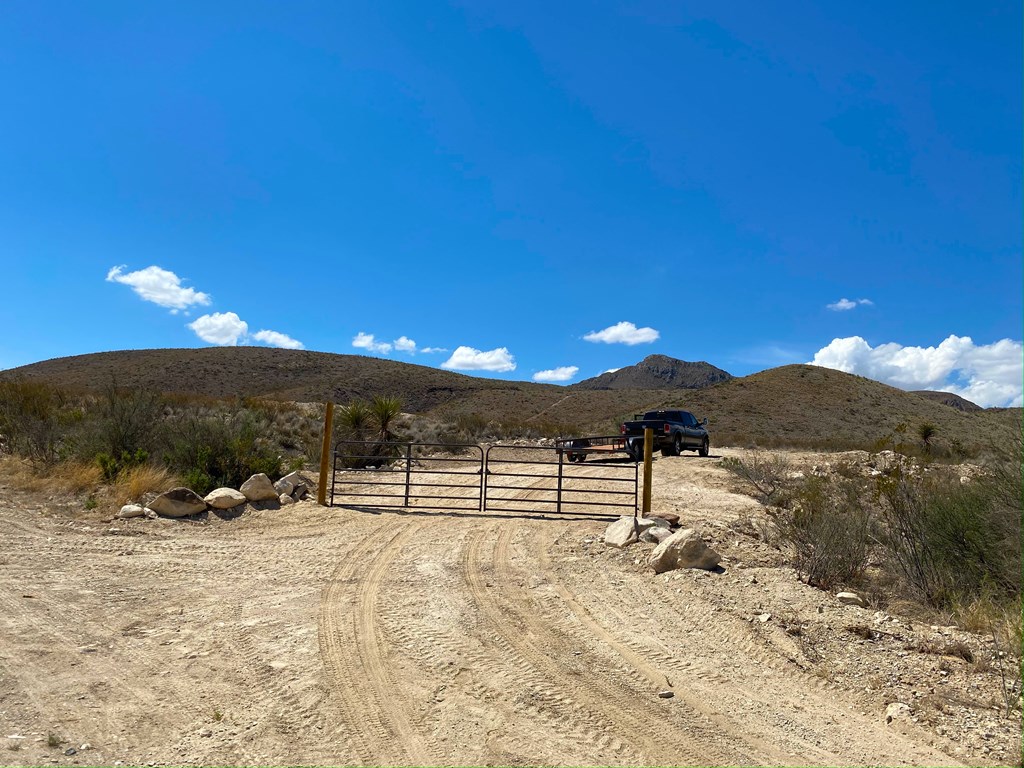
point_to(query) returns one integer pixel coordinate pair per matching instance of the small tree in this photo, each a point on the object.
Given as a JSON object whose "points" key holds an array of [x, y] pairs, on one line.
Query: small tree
{"points": [[926, 431], [384, 411], [354, 419]]}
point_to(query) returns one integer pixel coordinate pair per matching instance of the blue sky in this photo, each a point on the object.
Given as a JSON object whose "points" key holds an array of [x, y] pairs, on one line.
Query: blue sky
{"points": [[560, 187]]}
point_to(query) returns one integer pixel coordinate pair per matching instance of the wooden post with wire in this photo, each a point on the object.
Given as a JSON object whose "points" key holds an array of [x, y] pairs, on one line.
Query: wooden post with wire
{"points": [[325, 455], [648, 459]]}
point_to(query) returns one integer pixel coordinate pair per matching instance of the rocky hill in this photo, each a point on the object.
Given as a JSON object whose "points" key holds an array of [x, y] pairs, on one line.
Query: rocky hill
{"points": [[798, 405], [658, 372], [948, 398]]}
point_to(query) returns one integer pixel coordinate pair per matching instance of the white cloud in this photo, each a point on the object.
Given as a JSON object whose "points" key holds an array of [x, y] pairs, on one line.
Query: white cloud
{"points": [[611, 370], [367, 342], [223, 329], [623, 333], [845, 304], [160, 287], [275, 339], [429, 350], [989, 375], [405, 344], [562, 373], [469, 359]]}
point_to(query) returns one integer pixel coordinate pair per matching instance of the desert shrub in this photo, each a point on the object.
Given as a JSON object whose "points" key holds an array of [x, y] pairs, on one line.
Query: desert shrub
{"points": [[763, 473], [34, 419], [953, 543], [827, 526], [211, 452]]}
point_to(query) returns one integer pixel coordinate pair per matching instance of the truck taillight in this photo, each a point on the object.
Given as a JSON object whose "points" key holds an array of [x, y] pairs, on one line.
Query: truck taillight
{"points": [[668, 429], [622, 429]]}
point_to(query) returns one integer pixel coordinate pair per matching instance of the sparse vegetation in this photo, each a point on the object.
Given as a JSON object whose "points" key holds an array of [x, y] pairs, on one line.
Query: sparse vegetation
{"points": [[765, 473], [827, 526]]}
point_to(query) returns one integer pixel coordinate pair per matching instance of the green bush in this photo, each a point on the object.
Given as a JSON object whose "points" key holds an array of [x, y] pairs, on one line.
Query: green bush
{"points": [[114, 466], [766, 474], [951, 542], [34, 420], [209, 452], [827, 525]]}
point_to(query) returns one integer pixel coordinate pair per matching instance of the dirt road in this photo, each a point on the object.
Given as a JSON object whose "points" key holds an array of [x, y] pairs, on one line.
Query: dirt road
{"points": [[329, 636]]}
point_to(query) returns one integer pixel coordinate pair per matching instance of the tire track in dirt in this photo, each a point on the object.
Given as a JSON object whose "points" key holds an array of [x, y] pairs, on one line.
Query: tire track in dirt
{"points": [[776, 722], [517, 621], [471, 669], [351, 651], [546, 698]]}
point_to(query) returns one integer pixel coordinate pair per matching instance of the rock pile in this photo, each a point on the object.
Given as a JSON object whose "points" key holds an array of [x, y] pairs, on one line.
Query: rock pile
{"points": [[182, 502], [682, 549]]}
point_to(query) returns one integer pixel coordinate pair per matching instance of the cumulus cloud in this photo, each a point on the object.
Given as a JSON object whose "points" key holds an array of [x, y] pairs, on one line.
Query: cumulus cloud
{"points": [[623, 333], [370, 344], [159, 286], [275, 339], [405, 344], [845, 304], [988, 374], [469, 359], [224, 329], [562, 373]]}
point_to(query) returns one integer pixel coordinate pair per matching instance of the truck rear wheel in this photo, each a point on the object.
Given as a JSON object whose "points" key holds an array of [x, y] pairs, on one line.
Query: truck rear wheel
{"points": [[677, 446], [705, 447]]}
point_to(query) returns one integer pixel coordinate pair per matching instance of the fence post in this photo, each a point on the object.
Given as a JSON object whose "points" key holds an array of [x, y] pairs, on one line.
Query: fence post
{"points": [[558, 503], [325, 451], [648, 446], [408, 470]]}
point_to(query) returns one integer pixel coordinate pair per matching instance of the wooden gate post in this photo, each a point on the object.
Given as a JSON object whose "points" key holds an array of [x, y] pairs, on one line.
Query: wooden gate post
{"points": [[325, 455], [648, 459]]}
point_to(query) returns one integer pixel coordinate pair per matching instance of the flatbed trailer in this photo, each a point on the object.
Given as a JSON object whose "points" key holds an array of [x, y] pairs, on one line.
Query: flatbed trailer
{"points": [[576, 449]]}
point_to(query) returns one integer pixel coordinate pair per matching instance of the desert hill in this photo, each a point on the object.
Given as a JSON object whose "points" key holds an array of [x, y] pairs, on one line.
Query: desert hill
{"points": [[798, 405], [658, 372], [948, 398]]}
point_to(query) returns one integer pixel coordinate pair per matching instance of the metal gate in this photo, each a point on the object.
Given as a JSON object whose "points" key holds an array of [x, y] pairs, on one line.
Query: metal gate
{"points": [[503, 479], [539, 480], [405, 475]]}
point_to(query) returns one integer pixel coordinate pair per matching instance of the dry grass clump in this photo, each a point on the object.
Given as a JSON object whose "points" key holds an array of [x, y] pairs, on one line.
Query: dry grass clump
{"points": [[76, 476], [135, 482]]}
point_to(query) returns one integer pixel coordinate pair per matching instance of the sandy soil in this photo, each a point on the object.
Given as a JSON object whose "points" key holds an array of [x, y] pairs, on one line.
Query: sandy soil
{"points": [[333, 636]]}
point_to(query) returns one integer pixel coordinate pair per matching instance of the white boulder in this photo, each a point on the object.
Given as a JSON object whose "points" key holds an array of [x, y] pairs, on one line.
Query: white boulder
{"points": [[178, 502], [622, 532], [258, 488], [224, 498], [131, 510], [285, 499], [683, 549], [851, 598], [655, 534]]}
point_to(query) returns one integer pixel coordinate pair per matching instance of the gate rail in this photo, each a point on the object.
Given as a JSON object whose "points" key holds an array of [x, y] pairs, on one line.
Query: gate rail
{"points": [[504, 478], [567, 483], [384, 472]]}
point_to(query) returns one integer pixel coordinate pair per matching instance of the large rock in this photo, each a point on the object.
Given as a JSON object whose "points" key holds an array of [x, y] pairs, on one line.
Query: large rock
{"points": [[294, 484], [622, 532], [259, 488], [683, 549], [656, 534], [131, 510], [178, 502], [225, 498]]}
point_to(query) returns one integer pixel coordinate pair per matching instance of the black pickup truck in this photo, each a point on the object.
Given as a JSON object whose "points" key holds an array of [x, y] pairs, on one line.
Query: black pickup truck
{"points": [[674, 432]]}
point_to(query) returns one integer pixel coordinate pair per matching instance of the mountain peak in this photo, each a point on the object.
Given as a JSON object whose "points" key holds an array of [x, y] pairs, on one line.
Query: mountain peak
{"points": [[658, 372]]}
